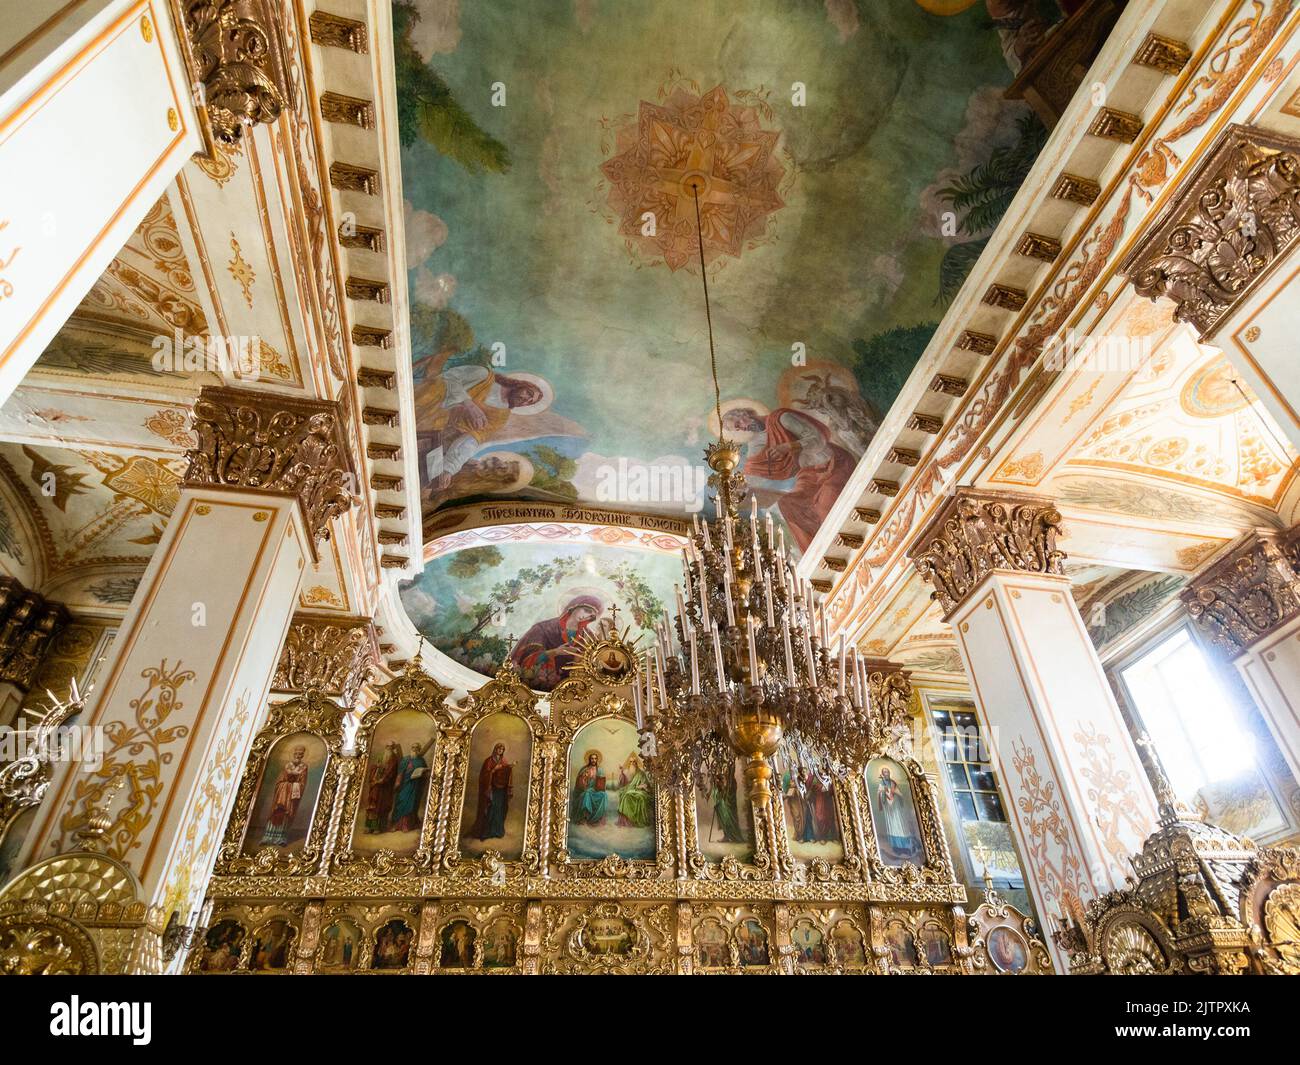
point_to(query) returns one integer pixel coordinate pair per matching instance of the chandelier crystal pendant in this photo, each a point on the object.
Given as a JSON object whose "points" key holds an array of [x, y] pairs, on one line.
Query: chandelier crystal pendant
{"points": [[746, 668]]}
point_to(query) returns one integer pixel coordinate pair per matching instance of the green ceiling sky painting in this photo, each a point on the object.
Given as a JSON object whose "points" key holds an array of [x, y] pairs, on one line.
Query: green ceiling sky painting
{"points": [[552, 338]]}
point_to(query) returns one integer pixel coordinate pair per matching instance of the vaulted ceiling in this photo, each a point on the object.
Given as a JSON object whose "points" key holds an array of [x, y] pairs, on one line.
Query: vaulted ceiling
{"points": [[851, 159]]}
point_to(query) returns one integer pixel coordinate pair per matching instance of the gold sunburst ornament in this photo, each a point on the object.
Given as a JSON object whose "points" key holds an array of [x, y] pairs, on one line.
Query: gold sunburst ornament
{"points": [[609, 658]]}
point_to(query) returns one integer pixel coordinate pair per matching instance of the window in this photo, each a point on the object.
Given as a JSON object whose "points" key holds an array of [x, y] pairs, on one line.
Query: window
{"points": [[1208, 755], [973, 788]]}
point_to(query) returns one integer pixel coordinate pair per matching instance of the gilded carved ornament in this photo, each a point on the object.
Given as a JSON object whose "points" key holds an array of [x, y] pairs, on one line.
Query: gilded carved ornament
{"points": [[29, 624], [312, 713], [1237, 215], [236, 54], [335, 656], [976, 534], [25, 780], [1004, 941], [274, 443], [1248, 592], [556, 913], [72, 914], [1198, 903]]}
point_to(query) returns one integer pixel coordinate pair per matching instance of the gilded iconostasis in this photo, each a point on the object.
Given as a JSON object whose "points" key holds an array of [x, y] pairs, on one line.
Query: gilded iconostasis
{"points": [[506, 836]]}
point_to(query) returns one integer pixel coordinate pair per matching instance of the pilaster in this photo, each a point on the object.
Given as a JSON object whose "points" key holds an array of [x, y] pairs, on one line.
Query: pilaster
{"points": [[1080, 804]]}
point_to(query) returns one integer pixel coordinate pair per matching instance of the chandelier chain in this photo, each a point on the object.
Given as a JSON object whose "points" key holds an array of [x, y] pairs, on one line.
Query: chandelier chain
{"points": [[708, 314]]}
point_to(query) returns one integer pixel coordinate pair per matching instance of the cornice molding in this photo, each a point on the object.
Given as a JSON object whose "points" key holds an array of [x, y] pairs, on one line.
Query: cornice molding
{"points": [[1064, 293]]}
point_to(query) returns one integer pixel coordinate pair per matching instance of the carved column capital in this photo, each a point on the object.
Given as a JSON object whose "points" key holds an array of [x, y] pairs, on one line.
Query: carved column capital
{"points": [[28, 625], [1235, 216], [235, 51], [976, 533], [331, 655], [266, 442], [1248, 592]]}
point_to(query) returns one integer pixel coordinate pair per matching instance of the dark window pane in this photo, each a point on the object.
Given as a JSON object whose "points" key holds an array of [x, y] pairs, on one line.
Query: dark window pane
{"points": [[970, 745], [991, 808], [957, 774], [966, 720], [941, 718], [982, 779], [966, 806], [949, 748]]}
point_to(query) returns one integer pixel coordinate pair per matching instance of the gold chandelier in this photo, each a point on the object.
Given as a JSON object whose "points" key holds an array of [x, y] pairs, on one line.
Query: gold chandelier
{"points": [[746, 668]]}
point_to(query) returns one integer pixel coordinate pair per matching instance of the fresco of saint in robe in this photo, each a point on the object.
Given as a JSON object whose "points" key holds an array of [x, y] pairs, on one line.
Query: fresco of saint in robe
{"points": [[791, 461], [545, 651], [810, 817], [893, 813], [496, 789], [395, 788], [286, 796], [724, 818]]}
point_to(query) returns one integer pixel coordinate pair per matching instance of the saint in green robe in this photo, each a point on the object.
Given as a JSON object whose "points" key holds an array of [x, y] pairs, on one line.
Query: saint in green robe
{"points": [[635, 804], [724, 810]]}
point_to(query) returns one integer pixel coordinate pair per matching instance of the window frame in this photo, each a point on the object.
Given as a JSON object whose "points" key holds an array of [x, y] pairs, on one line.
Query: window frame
{"points": [[948, 701], [1239, 699]]}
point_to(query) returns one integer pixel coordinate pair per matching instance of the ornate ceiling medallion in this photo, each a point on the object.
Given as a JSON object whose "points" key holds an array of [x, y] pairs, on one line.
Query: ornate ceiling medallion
{"points": [[688, 140]]}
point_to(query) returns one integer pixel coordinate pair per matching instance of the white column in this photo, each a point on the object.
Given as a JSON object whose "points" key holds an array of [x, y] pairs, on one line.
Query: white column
{"points": [[96, 118], [196, 654], [1080, 803]]}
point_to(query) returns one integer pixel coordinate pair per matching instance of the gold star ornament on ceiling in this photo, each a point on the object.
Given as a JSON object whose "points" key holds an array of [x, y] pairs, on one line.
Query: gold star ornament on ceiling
{"points": [[707, 141]]}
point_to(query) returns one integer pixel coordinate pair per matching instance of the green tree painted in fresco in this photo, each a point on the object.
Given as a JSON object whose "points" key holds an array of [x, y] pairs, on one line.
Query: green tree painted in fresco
{"points": [[500, 602], [641, 599], [439, 330], [882, 363], [473, 560], [981, 196], [553, 472], [425, 105]]}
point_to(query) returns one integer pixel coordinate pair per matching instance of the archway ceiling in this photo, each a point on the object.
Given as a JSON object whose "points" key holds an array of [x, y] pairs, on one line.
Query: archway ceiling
{"points": [[557, 349]]}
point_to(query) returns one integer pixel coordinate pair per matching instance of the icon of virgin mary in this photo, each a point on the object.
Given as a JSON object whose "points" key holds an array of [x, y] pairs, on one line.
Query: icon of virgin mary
{"points": [[546, 650]]}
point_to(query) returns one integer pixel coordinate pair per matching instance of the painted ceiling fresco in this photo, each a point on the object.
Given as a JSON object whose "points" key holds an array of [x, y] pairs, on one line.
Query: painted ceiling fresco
{"points": [[850, 160], [535, 602], [551, 156]]}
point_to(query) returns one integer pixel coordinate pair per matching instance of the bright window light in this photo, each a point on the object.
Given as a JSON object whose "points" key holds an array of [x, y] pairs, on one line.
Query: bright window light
{"points": [[1188, 715]]}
